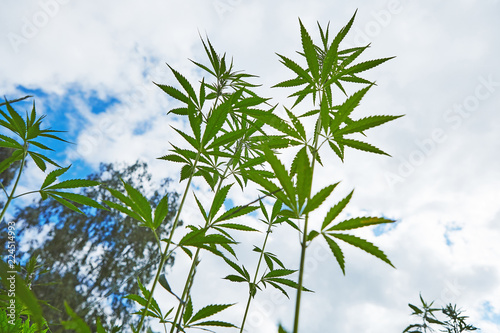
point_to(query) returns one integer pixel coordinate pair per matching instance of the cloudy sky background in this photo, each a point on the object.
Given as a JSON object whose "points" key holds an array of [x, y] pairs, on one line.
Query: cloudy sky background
{"points": [[91, 67]]}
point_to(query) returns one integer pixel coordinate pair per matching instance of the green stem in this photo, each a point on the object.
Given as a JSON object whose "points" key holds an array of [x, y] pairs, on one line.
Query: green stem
{"points": [[166, 254], [304, 236], [157, 240], [190, 278], [22, 194], [250, 296], [188, 284], [185, 293], [195, 262], [11, 196], [4, 190], [301, 276]]}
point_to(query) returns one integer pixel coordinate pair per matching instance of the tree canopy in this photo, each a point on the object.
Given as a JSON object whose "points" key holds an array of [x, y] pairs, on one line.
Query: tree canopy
{"points": [[91, 261]]}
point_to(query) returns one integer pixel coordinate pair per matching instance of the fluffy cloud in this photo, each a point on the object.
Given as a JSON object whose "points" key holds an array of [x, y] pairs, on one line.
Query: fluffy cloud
{"points": [[441, 184]]}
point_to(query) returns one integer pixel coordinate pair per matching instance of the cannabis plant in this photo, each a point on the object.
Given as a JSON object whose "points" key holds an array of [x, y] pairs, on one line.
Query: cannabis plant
{"points": [[233, 138], [454, 322]]}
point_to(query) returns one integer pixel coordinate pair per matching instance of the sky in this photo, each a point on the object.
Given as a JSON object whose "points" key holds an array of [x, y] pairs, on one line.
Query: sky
{"points": [[90, 67]]}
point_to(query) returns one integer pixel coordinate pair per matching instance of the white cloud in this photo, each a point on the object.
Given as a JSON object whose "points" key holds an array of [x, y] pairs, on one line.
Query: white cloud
{"points": [[445, 51]]}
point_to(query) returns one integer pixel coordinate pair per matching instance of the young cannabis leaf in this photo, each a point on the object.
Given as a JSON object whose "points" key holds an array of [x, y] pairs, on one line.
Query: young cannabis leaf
{"points": [[137, 206], [24, 319], [29, 133], [53, 191], [149, 304], [331, 233], [329, 66], [224, 139], [198, 320]]}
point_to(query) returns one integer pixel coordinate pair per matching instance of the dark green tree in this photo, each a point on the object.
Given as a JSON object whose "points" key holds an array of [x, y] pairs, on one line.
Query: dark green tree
{"points": [[91, 261]]}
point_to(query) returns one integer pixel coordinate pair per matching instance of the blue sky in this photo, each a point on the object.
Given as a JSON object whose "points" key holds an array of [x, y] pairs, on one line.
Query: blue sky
{"points": [[91, 66]]}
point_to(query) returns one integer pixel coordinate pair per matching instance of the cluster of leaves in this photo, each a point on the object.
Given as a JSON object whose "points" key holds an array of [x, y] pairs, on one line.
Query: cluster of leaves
{"points": [[27, 142], [454, 322], [29, 133]]}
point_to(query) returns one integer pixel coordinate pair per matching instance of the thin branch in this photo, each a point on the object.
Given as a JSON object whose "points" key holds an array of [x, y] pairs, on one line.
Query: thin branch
{"points": [[15, 100]]}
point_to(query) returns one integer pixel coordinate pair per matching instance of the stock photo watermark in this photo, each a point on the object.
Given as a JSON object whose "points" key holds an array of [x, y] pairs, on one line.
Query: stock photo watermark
{"points": [[11, 274], [33, 24], [380, 19], [454, 118], [451, 291], [224, 7]]}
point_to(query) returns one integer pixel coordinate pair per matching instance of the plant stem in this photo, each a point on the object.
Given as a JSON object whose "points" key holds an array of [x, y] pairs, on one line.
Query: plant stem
{"points": [[4, 190], [190, 278], [250, 296], [185, 292], [11, 196], [26, 193], [304, 235], [165, 254], [194, 264], [301, 276]]}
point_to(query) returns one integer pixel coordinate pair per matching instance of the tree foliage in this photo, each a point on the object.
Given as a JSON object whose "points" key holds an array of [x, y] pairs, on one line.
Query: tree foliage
{"points": [[92, 260]]}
